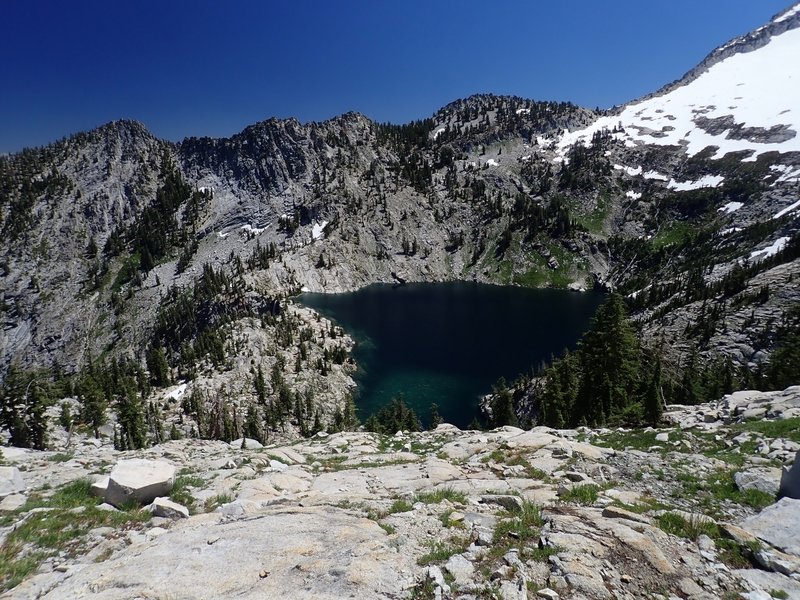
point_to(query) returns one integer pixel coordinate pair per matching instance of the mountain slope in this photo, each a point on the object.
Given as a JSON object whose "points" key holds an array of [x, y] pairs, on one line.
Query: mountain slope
{"points": [[745, 102], [119, 246]]}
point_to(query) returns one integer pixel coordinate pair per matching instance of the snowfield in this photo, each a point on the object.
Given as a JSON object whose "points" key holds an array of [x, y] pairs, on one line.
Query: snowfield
{"points": [[731, 207], [759, 89]]}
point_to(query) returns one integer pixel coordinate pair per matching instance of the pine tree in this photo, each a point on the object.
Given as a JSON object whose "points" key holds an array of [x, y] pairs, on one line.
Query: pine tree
{"points": [[93, 400], [503, 409], [690, 391], [435, 418], [159, 367], [610, 363], [653, 407], [24, 397], [130, 415], [350, 414], [261, 387]]}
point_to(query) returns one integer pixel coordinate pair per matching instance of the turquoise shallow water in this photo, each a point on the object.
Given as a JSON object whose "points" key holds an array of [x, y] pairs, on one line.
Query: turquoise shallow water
{"points": [[449, 342]]}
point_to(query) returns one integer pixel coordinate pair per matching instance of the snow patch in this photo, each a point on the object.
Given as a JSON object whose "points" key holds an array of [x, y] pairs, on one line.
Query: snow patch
{"points": [[704, 182], [772, 250], [788, 14], [178, 392], [438, 132], [247, 228], [729, 230], [492, 163], [787, 173], [654, 175], [635, 294], [787, 210], [634, 195], [632, 171], [523, 111], [318, 230], [730, 207]]}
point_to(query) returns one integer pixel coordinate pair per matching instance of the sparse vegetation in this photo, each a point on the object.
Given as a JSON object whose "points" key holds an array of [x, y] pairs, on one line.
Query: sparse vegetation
{"points": [[59, 529], [581, 494]]}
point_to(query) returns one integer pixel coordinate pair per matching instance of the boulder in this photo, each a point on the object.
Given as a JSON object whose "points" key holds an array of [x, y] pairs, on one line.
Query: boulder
{"points": [[765, 480], [460, 568], [763, 582], [99, 487], [164, 507], [514, 590], [790, 480], [509, 502], [11, 481], [778, 525], [246, 444], [139, 480], [615, 512], [12, 502]]}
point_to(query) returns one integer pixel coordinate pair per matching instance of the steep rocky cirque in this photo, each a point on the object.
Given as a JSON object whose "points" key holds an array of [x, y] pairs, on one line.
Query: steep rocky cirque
{"points": [[497, 189]]}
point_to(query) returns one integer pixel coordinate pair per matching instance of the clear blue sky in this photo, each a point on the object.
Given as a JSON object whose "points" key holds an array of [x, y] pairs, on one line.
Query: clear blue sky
{"points": [[212, 67]]}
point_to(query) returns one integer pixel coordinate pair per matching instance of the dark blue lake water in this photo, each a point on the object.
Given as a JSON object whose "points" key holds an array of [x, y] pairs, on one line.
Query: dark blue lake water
{"points": [[449, 342]]}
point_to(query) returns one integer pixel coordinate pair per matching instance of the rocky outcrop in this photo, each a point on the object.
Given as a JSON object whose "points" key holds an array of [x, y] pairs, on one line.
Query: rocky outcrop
{"points": [[587, 513], [289, 552]]}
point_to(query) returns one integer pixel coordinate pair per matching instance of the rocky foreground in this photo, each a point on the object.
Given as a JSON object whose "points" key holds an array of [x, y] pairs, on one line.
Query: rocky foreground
{"points": [[685, 511]]}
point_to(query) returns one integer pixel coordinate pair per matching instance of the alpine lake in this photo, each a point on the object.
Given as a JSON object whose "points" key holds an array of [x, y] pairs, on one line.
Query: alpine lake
{"points": [[448, 343]]}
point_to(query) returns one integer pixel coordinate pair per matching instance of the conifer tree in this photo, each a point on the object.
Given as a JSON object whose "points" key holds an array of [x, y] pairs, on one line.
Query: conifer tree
{"points": [[653, 407], [24, 397], [610, 362], [435, 418], [261, 387]]}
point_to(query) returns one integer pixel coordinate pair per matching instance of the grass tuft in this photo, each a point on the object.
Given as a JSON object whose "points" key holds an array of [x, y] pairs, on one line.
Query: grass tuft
{"points": [[581, 494]]}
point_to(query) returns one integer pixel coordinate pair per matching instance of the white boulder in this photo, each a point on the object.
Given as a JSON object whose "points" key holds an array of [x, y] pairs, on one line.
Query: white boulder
{"points": [[12, 502], [139, 480], [246, 444], [164, 507], [99, 487]]}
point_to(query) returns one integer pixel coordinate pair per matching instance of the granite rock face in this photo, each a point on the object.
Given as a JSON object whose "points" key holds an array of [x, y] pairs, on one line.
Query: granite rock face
{"points": [[443, 513]]}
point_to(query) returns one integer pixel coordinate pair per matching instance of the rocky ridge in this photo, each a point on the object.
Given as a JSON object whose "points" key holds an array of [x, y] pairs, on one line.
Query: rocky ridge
{"points": [[686, 511]]}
